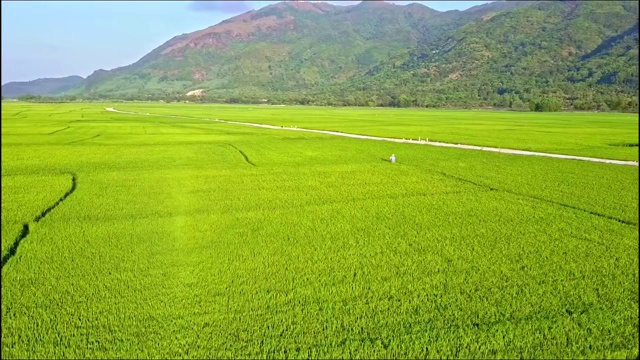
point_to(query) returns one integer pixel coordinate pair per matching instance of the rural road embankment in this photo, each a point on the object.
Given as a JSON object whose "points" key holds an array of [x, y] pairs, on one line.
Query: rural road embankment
{"points": [[405, 141]]}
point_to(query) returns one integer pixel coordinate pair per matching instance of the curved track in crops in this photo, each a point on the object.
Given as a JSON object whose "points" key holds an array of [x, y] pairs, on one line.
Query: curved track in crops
{"points": [[420, 142], [25, 227], [246, 158]]}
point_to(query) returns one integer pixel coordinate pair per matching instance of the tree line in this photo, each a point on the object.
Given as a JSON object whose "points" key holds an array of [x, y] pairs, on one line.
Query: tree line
{"points": [[505, 101]]}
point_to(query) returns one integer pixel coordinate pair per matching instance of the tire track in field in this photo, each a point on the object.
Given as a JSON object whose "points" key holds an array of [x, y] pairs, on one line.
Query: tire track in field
{"points": [[420, 142], [25, 227], [246, 158], [76, 141], [59, 113], [53, 132], [533, 197]]}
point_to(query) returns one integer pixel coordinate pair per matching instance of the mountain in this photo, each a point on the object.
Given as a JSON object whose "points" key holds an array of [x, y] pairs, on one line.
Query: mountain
{"points": [[518, 54], [48, 86], [583, 54], [288, 47]]}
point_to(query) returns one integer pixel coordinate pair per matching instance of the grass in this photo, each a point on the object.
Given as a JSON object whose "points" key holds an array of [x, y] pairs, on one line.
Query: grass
{"points": [[604, 135], [194, 239], [20, 207]]}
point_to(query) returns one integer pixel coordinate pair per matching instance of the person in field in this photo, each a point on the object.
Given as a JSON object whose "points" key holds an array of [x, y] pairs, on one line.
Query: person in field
{"points": [[393, 158]]}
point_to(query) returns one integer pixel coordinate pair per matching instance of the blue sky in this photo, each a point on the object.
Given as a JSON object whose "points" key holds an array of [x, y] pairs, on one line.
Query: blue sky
{"points": [[62, 38]]}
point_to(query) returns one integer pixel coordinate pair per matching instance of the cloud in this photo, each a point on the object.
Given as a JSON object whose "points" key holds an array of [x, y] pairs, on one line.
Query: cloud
{"points": [[223, 7]]}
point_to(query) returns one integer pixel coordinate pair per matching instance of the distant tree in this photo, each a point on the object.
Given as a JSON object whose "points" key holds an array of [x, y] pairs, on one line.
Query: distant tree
{"points": [[29, 97], [193, 98], [547, 105], [617, 103], [503, 101], [517, 104], [584, 105], [603, 106], [405, 101], [633, 105]]}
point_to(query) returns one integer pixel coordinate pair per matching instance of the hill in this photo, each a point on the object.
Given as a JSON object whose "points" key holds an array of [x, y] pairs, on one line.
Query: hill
{"points": [[283, 49], [513, 54], [47, 86], [580, 54]]}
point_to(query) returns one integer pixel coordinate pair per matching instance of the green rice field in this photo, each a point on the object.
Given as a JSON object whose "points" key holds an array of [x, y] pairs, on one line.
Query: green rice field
{"points": [[132, 236]]}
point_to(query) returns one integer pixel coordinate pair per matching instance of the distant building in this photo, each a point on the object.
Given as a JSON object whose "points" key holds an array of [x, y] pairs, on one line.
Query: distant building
{"points": [[198, 93]]}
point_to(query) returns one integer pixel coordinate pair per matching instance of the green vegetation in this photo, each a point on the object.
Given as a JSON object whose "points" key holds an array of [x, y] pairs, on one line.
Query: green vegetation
{"points": [[20, 207], [582, 55], [542, 56], [40, 87], [196, 239], [554, 55], [604, 135], [546, 105]]}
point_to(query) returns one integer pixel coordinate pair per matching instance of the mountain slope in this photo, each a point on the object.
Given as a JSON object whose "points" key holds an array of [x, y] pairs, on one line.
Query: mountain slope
{"points": [[573, 54], [572, 51], [289, 47], [48, 86]]}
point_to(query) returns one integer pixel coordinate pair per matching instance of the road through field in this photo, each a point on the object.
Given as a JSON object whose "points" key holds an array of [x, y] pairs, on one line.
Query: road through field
{"points": [[407, 141]]}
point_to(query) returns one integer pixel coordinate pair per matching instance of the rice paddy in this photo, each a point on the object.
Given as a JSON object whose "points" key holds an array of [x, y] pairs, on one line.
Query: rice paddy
{"points": [[163, 237]]}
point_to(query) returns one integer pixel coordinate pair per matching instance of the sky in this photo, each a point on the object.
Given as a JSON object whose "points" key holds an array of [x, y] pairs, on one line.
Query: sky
{"points": [[49, 39]]}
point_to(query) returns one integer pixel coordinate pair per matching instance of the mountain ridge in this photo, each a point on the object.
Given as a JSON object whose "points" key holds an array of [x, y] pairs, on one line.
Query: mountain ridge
{"points": [[42, 86], [503, 53], [288, 27]]}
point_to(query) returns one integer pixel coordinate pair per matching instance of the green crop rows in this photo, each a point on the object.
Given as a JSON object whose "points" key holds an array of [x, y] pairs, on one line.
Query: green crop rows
{"points": [[168, 238], [604, 135]]}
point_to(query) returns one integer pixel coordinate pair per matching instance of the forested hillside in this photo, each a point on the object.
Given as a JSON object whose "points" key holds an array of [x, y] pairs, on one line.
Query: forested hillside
{"points": [[575, 54], [542, 56]]}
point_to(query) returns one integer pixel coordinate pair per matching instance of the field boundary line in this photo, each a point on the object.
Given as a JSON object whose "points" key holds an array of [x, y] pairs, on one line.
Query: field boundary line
{"points": [[405, 141], [25, 227]]}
